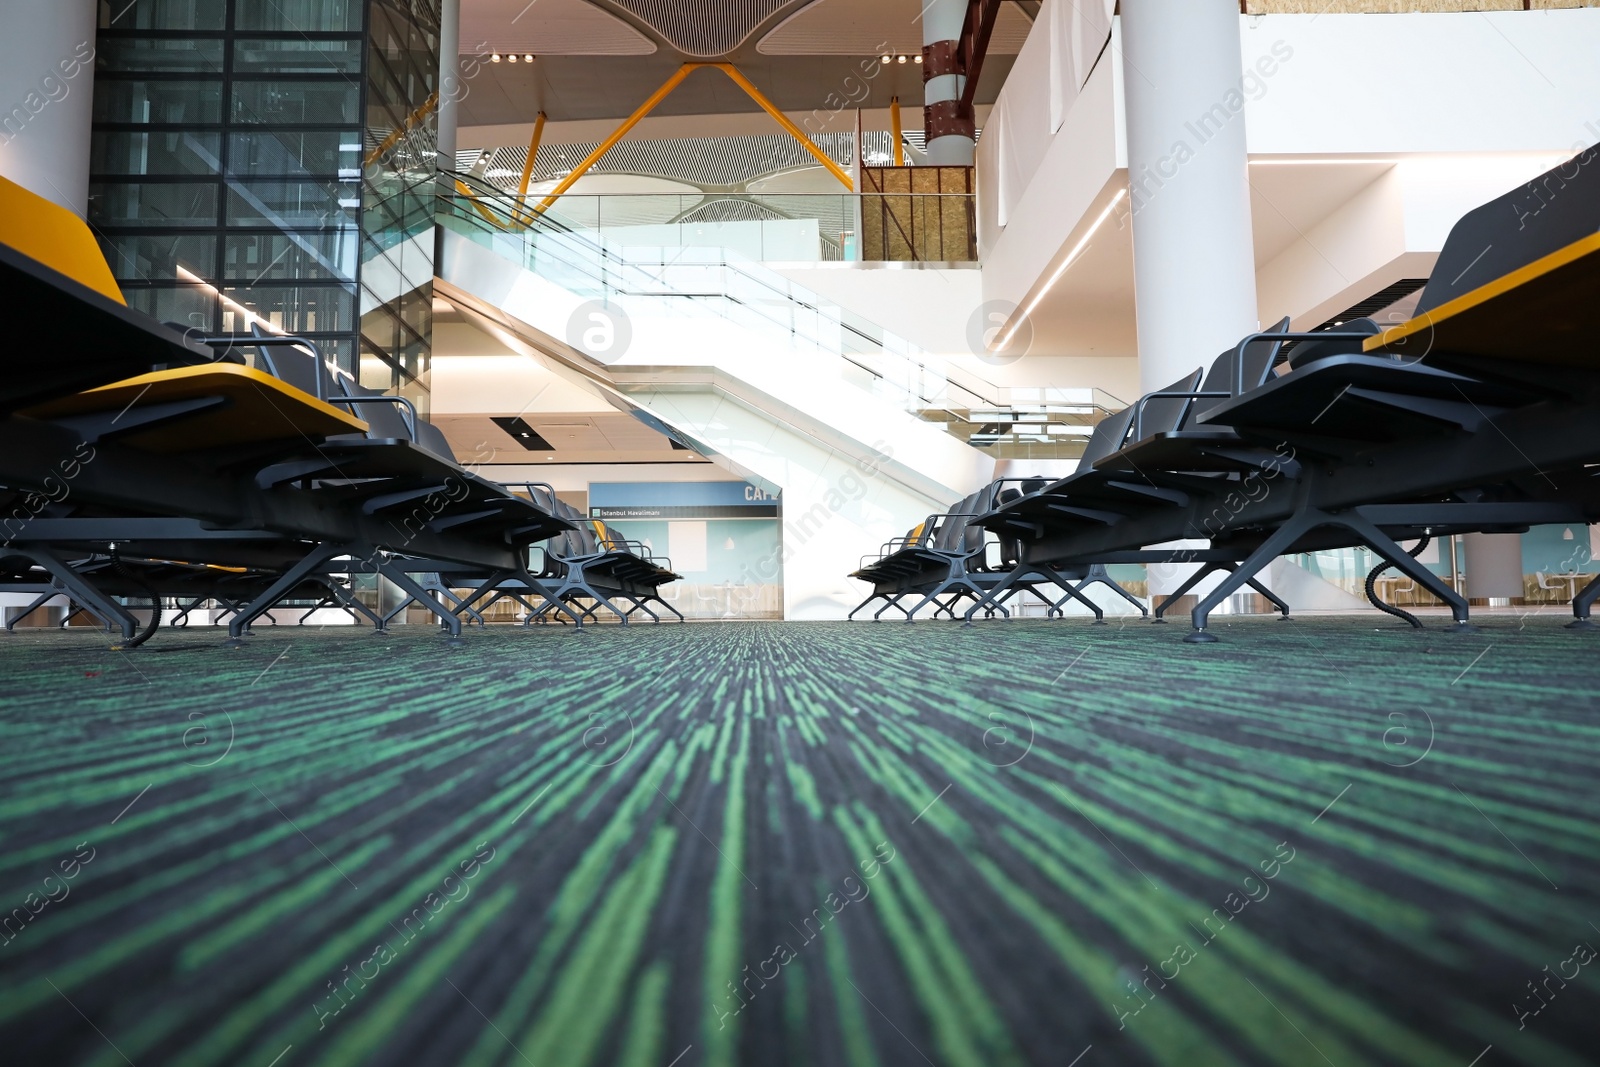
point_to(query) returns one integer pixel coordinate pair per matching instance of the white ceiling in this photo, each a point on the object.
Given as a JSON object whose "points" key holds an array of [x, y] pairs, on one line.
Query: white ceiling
{"points": [[1287, 200], [868, 27], [1090, 310], [548, 27]]}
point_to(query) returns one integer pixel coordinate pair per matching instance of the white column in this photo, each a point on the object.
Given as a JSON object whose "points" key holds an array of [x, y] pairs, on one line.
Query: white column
{"points": [[1494, 566], [1189, 190], [950, 138], [1188, 195], [450, 87], [47, 99]]}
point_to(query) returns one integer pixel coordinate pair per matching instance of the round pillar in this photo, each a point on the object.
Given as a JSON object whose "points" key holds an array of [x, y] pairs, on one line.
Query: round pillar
{"points": [[1189, 190], [1494, 566], [951, 135], [47, 100], [450, 86]]}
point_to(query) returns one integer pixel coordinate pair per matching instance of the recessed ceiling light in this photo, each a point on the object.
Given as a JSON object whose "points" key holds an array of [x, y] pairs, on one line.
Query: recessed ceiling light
{"points": [[916, 59], [528, 58], [888, 57], [902, 59], [495, 58], [512, 57]]}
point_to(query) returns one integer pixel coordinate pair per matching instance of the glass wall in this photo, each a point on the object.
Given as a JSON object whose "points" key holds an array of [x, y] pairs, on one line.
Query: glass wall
{"points": [[249, 165], [398, 196]]}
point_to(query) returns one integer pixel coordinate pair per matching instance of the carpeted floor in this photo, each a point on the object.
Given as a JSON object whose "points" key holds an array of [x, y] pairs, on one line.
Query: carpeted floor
{"points": [[1325, 841]]}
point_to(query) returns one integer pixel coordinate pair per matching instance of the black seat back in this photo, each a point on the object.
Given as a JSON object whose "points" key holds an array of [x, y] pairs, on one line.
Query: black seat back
{"points": [[973, 537], [1109, 435], [1010, 544], [1542, 216], [953, 527], [1307, 352], [1166, 413], [1260, 356]]}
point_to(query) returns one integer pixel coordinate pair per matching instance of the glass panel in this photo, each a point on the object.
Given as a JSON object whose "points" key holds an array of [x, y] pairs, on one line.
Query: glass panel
{"points": [[160, 258], [299, 309], [297, 57], [174, 103], [163, 14], [280, 257], [323, 154], [292, 205], [176, 152], [190, 305], [299, 16], [276, 103], [183, 55], [168, 204]]}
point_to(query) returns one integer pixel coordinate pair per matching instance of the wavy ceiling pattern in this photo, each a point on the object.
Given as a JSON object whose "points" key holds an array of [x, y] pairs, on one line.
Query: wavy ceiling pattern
{"points": [[548, 27], [704, 29], [867, 27]]}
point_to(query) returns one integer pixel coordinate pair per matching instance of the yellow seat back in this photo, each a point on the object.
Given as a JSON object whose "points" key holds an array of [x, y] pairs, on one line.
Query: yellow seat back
{"points": [[52, 235]]}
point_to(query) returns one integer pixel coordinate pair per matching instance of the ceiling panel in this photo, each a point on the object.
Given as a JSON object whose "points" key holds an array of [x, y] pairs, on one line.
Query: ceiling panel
{"points": [[868, 27], [1288, 200], [704, 29], [548, 27]]}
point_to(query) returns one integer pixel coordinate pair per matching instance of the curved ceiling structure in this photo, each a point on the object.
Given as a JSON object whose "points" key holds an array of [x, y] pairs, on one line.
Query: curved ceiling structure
{"points": [[548, 27], [868, 27], [703, 29]]}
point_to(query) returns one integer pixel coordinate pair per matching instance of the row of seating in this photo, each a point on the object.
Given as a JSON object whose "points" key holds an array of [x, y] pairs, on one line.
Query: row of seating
{"points": [[127, 440], [1476, 415], [944, 561]]}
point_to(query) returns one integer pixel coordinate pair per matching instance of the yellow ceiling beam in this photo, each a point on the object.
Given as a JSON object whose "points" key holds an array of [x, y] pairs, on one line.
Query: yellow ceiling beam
{"points": [[677, 79]]}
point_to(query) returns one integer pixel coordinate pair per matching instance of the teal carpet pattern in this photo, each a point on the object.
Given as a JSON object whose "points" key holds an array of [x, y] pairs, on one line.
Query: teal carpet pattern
{"points": [[1328, 841]]}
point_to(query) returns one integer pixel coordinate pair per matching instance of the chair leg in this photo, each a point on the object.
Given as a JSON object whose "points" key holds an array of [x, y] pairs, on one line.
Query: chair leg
{"points": [[40, 601], [995, 596], [851, 617], [1098, 575], [668, 605], [1272, 598], [892, 602], [416, 592], [1385, 546], [278, 590], [1270, 549], [1193, 580], [1074, 593], [1582, 604], [84, 592]]}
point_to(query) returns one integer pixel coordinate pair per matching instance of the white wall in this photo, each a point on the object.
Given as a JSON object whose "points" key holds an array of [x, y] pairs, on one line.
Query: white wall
{"points": [[1467, 105]]}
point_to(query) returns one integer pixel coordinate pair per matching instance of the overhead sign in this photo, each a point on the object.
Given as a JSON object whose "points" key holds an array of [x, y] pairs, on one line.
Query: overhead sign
{"points": [[681, 500]]}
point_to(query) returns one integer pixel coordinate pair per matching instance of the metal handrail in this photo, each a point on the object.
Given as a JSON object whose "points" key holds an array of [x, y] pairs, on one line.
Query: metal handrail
{"points": [[1139, 406], [406, 405], [544, 221], [1311, 335], [267, 340]]}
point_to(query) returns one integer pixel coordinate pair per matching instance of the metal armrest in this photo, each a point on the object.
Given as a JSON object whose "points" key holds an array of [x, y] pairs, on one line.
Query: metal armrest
{"points": [[266, 341], [1312, 335], [1138, 408], [406, 406]]}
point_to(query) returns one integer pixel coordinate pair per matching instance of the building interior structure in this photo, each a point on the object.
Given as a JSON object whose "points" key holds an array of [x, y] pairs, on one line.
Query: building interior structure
{"points": [[799, 532]]}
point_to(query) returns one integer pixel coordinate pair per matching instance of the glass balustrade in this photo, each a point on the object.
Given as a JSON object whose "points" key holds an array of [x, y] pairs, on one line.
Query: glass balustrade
{"points": [[662, 258]]}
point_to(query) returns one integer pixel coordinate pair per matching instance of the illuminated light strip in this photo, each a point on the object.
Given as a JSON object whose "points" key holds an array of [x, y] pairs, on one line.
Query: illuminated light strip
{"points": [[1317, 162], [1072, 257], [251, 317], [232, 304]]}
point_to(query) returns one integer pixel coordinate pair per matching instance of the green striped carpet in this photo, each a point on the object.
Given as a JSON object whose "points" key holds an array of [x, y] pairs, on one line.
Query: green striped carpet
{"points": [[1329, 841]]}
